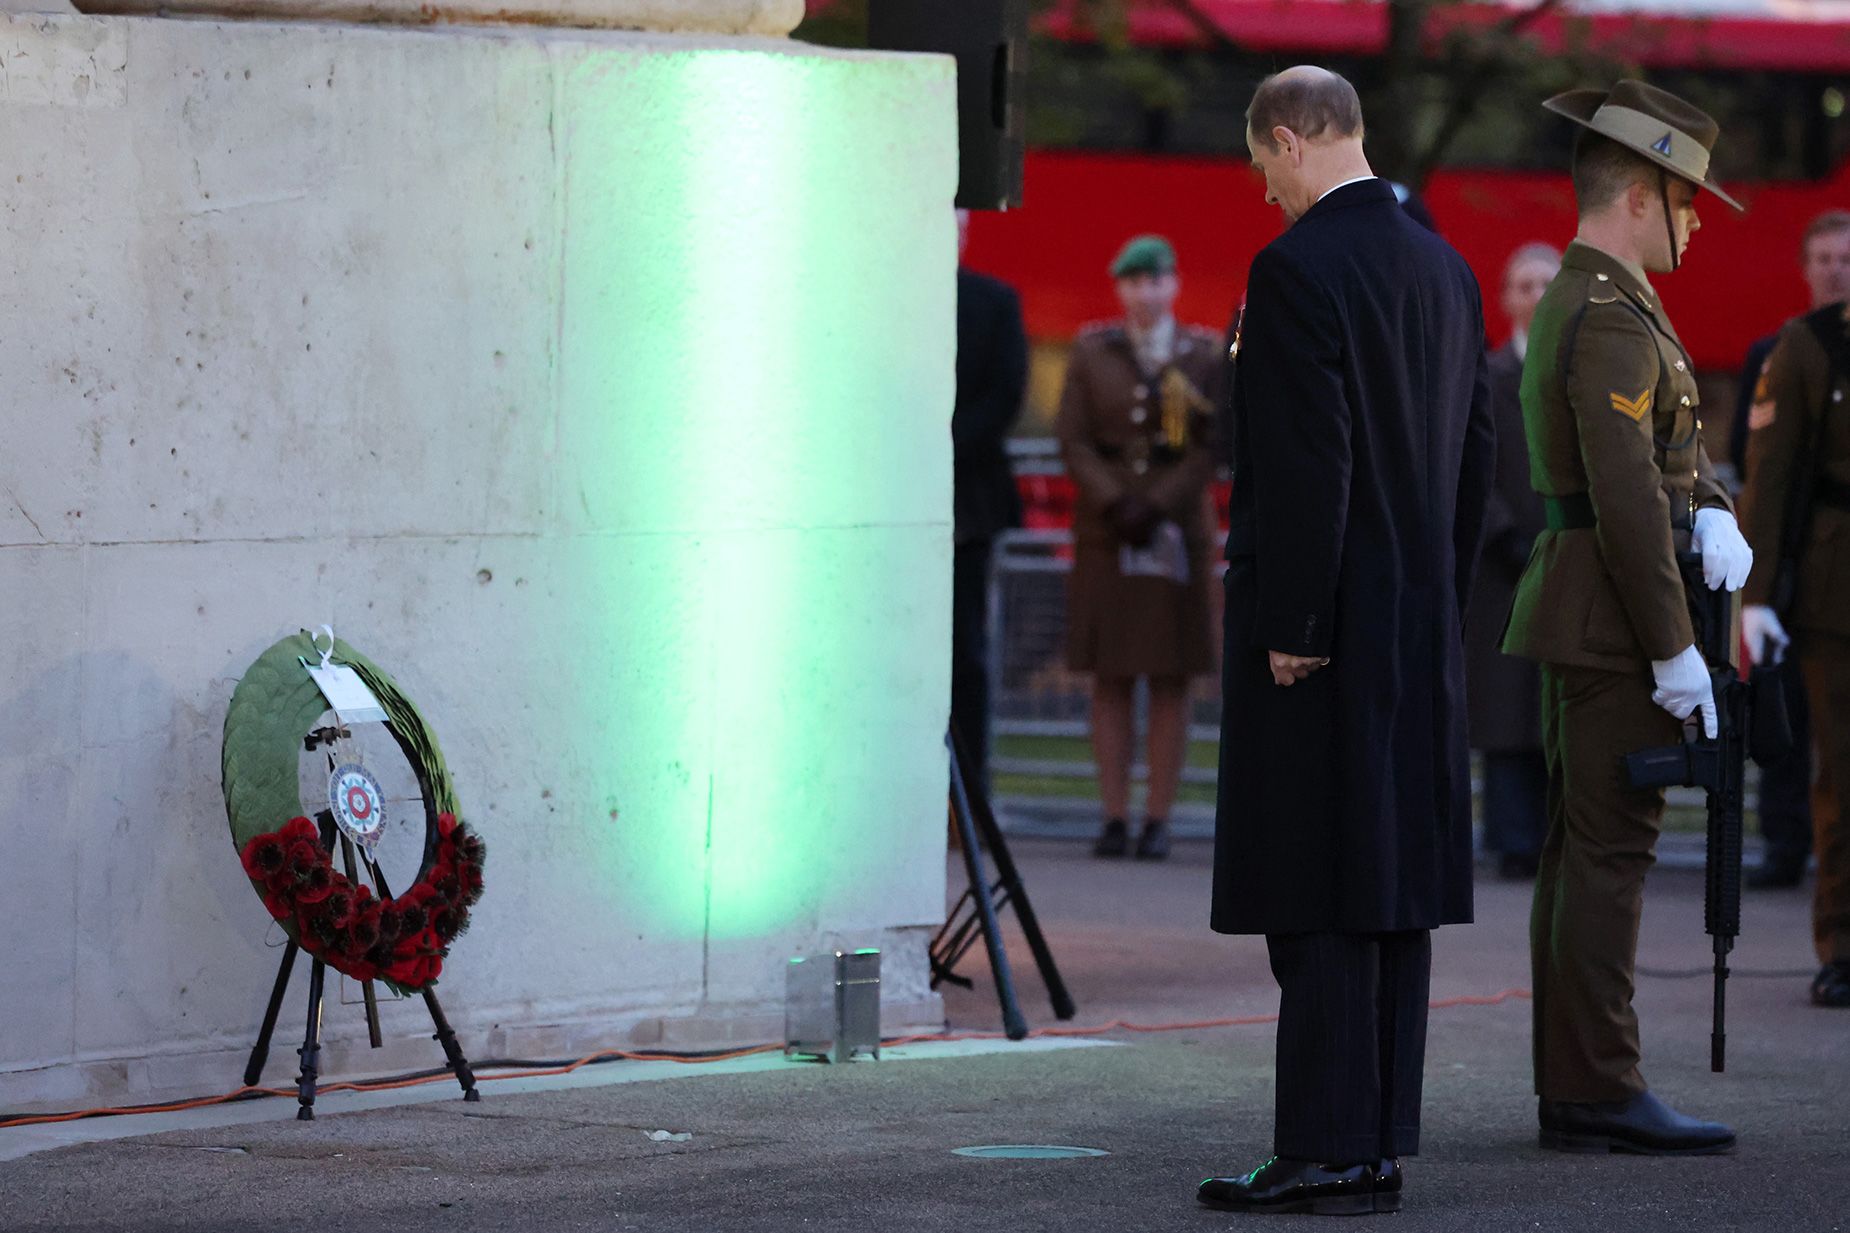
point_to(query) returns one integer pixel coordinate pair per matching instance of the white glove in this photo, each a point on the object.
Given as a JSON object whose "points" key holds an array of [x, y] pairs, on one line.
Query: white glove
{"points": [[1767, 639], [1683, 687], [1725, 554]]}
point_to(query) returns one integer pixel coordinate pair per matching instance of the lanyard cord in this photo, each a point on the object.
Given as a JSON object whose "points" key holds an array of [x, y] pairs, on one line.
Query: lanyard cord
{"points": [[1670, 230]]}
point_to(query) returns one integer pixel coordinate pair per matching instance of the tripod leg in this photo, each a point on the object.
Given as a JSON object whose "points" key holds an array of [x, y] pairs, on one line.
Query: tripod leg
{"points": [[1012, 1021], [366, 986], [451, 1049], [260, 1052], [311, 1045], [1016, 893]]}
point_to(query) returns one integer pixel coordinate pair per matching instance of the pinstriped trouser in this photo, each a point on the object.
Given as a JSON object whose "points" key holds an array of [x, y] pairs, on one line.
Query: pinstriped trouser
{"points": [[1351, 1043]]}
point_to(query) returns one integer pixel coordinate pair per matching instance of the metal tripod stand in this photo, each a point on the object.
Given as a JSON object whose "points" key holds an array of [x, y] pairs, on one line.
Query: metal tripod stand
{"points": [[308, 1079], [976, 912]]}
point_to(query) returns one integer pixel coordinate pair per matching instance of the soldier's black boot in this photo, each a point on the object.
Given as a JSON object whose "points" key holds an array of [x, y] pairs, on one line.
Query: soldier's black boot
{"points": [[1643, 1125], [1280, 1185], [1832, 986], [1113, 840], [1153, 843]]}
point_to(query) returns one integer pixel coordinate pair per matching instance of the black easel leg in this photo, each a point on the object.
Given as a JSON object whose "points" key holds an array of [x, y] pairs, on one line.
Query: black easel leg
{"points": [[1016, 891], [451, 1049], [260, 1052], [311, 1045], [373, 1037], [1012, 1021]]}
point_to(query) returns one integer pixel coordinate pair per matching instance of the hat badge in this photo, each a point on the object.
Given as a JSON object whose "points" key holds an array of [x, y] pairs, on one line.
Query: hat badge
{"points": [[1662, 145]]}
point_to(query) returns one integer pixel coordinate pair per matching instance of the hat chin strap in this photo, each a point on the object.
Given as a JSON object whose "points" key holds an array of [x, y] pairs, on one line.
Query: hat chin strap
{"points": [[1670, 228]]}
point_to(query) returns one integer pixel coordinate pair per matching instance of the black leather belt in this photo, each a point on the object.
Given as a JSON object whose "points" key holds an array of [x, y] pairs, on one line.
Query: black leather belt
{"points": [[1832, 493], [1573, 512]]}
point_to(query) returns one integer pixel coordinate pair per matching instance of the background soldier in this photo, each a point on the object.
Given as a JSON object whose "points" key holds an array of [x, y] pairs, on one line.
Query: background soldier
{"points": [[1135, 430], [1610, 408], [1505, 693], [1784, 804], [1797, 511]]}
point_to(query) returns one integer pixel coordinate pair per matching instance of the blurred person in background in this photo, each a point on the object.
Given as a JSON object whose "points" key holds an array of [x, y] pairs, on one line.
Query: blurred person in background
{"points": [[1505, 693], [1135, 429], [1796, 511], [992, 378], [1784, 803]]}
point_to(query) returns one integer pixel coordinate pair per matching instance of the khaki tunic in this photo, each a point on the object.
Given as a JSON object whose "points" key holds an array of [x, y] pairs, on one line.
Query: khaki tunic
{"points": [[1794, 392], [1123, 430], [1611, 410]]}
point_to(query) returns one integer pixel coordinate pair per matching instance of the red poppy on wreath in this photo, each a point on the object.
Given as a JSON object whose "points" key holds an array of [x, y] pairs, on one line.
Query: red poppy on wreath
{"points": [[404, 940]]}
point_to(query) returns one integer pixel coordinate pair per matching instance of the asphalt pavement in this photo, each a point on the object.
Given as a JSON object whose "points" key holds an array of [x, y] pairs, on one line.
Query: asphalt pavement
{"points": [[871, 1145]]}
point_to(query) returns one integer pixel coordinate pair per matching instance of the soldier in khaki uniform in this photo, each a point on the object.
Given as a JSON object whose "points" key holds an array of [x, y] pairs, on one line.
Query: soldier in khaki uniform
{"points": [[1799, 453], [1134, 428], [1610, 411]]}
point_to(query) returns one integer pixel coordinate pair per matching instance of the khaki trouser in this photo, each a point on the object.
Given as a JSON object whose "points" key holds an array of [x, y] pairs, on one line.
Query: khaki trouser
{"points": [[1589, 893], [1825, 662]]}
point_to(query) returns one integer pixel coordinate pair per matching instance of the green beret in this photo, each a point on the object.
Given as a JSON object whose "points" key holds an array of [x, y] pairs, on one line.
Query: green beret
{"points": [[1144, 254]]}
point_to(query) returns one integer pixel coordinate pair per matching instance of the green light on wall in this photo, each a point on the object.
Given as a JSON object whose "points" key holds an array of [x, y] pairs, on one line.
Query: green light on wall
{"points": [[744, 309]]}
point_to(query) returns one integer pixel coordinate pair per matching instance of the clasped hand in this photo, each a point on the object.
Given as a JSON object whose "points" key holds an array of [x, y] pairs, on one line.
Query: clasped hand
{"points": [[1290, 669]]}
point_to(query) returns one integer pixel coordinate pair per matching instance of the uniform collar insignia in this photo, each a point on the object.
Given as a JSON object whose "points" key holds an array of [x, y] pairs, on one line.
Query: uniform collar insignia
{"points": [[1620, 274]]}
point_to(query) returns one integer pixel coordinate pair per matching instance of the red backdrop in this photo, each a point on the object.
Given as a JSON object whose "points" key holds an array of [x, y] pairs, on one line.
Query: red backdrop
{"points": [[1740, 281]]}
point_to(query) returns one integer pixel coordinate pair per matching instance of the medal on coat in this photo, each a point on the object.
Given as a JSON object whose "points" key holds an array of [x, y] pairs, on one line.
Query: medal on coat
{"points": [[1180, 400]]}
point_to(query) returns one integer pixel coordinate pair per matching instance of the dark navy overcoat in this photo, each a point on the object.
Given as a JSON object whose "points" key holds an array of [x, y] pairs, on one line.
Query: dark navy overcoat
{"points": [[1363, 454]]}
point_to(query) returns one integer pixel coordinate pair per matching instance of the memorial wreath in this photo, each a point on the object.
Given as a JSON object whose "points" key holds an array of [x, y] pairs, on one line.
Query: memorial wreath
{"points": [[401, 940]]}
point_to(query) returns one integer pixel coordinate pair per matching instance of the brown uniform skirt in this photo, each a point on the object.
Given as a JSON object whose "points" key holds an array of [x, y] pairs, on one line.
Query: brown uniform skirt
{"points": [[1138, 626]]}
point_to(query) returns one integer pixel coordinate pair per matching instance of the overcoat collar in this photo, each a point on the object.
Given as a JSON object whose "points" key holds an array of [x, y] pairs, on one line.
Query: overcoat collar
{"points": [[1375, 191], [1605, 267]]}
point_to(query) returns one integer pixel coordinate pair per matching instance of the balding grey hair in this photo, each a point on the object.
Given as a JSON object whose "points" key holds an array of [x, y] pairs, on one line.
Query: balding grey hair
{"points": [[1311, 105], [1539, 253]]}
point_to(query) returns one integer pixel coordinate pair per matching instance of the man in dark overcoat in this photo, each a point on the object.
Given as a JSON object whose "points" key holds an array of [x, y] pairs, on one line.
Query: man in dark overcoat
{"points": [[1362, 471], [992, 378]]}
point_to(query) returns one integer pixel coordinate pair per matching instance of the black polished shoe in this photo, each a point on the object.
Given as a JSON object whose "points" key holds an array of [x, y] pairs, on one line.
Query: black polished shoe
{"points": [[1387, 1185], [1153, 843], [1644, 1125], [1776, 871], [1832, 986], [1114, 840], [1281, 1185]]}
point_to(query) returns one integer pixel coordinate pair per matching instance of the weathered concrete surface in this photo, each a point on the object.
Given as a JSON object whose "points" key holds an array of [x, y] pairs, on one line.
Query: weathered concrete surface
{"points": [[763, 17], [868, 1146], [552, 369]]}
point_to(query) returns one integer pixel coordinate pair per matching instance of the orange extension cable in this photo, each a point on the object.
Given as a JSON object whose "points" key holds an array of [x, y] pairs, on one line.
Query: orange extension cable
{"points": [[444, 1076]]}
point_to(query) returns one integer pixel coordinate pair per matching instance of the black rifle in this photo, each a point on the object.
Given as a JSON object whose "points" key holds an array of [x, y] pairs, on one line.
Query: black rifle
{"points": [[1719, 767]]}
